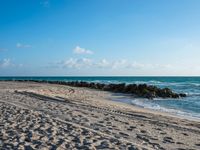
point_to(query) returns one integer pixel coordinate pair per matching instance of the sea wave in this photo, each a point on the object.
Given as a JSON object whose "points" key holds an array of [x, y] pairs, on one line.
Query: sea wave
{"points": [[193, 94], [144, 103]]}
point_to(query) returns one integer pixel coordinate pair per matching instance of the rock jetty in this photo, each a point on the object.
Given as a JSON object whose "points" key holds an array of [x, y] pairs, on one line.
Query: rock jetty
{"points": [[139, 90]]}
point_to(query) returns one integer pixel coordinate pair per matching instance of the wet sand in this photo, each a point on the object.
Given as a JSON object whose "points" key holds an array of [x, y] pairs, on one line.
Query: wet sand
{"points": [[50, 116]]}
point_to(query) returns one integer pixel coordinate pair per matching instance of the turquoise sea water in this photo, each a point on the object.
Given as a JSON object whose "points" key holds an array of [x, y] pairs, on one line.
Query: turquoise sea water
{"points": [[189, 106]]}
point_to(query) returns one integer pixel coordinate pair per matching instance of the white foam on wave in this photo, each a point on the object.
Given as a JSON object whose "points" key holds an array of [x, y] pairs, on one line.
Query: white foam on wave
{"points": [[195, 84], [144, 103], [193, 93], [160, 83]]}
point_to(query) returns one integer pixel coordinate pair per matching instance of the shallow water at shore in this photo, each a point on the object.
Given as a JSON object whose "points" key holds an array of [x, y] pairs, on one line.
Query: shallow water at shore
{"points": [[159, 105]]}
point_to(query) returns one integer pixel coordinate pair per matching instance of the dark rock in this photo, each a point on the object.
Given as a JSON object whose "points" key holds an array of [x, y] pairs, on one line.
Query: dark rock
{"points": [[134, 88], [106, 87], [119, 87], [182, 95], [141, 90]]}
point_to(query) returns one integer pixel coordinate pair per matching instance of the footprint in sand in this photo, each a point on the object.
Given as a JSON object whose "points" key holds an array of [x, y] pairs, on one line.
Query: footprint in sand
{"points": [[163, 133], [143, 131], [101, 121], [109, 123], [198, 144], [185, 134], [131, 128], [179, 143], [158, 129], [123, 134], [168, 140]]}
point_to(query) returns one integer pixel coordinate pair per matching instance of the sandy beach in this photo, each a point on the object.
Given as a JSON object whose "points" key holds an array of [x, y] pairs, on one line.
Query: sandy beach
{"points": [[50, 116]]}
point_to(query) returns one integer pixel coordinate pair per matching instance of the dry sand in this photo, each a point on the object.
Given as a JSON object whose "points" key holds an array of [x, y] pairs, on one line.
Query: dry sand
{"points": [[49, 116]]}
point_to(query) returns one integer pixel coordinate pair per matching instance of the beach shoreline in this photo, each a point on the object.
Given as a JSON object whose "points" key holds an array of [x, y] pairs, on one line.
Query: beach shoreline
{"points": [[92, 111], [140, 108]]}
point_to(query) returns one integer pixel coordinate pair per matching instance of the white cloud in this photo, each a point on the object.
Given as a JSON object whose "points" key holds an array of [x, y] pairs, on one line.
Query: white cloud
{"points": [[136, 65], [121, 66], [79, 50], [85, 66], [20, 45], [77, 63], [122, 63], [8, 63], [5, 63], [103, 63]]}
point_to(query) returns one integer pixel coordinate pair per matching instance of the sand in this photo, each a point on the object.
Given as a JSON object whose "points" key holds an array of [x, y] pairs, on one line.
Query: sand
{"points": [[50, 116]]}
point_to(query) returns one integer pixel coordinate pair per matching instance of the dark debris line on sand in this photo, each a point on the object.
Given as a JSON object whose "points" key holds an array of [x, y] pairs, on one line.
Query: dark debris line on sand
{"points": [[139, 90]]}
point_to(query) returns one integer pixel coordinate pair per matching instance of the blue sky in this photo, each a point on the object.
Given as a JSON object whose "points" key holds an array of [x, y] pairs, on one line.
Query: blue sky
{"points": [[99, 37]]}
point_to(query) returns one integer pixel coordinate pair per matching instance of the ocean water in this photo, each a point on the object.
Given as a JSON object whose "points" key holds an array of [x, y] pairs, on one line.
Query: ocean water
{"points": [[187, 107]]}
